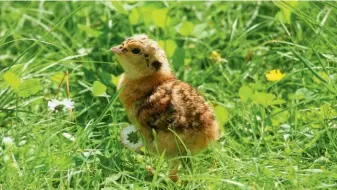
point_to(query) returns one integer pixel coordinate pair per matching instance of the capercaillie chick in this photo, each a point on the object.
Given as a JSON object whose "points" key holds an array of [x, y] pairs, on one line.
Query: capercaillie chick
{"points": [[169, 114]]}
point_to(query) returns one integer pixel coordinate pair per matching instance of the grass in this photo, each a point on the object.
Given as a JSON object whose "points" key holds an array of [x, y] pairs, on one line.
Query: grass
{"points": [[276, 135]]}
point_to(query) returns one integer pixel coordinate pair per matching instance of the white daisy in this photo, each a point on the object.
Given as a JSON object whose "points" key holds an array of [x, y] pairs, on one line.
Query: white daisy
{"points": [[84, 51], [6, 158], [52, 104], [69, 136], [8, 141], [57, 105], [130, 138], [67, 103]]}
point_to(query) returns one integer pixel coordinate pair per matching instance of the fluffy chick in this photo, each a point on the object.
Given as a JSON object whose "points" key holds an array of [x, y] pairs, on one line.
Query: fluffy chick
{"points": [[169, 114]]}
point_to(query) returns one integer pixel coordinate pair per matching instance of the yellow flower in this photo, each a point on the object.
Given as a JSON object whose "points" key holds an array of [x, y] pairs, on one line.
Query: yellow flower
{"points": [[215, 56], [274, 75]]}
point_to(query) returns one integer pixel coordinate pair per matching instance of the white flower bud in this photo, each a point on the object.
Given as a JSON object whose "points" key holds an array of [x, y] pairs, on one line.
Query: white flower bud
{"points": [[8, 141]]}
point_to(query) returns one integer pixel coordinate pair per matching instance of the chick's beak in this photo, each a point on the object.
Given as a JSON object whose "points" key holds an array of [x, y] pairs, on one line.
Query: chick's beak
{"points": [[116, 50]]}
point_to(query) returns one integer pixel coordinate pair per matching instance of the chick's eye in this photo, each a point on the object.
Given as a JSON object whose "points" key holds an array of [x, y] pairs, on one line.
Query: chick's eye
{"points": [[135, 51]]}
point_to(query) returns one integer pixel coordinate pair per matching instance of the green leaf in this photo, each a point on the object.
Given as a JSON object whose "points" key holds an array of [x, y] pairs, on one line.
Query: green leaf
{"points": [[324, 75], [327, 112], [200, 30], [57, 77], [245, 93], [178, 58], [186, 28], [89, 31], [12, 79], [277, 102], [146, 13], [284, 16], [134, 16], [281, 117], [98, 88], [304, 93], [112, 178], [160, 17], [187, 61], [257, 86], [331, 88], [169, 46], [309, 66], [221, 114], [118, 6], [266, 99], [263, 98], [29, 87], [114, 79], [286, 10], [104, 77], [288, 5]]}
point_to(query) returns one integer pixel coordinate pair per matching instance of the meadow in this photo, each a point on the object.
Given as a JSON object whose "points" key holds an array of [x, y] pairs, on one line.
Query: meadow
{"points": [[267, 68]]}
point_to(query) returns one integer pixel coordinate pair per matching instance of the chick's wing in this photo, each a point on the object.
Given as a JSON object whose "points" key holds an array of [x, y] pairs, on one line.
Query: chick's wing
{"points": [[175, 105]]}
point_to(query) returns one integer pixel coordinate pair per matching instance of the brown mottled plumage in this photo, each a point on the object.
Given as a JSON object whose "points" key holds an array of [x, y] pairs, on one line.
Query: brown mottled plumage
{"points": [[156, 101]]}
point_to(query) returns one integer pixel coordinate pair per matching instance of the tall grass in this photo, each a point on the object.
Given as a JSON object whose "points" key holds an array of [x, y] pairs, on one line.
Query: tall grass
{"points": [[287, 142]]}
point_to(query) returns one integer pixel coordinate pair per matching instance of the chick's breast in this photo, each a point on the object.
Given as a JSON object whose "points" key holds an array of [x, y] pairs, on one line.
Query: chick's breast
{"points": [[177, 106]]}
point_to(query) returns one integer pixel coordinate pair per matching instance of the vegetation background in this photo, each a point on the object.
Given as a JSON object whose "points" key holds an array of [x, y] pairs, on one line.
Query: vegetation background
{"points": [[277, 134]]}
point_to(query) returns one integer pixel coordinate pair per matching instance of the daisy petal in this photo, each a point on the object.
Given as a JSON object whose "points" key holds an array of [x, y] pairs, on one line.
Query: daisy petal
{"points": [[68, 103], [52, 104], [130, 138]]}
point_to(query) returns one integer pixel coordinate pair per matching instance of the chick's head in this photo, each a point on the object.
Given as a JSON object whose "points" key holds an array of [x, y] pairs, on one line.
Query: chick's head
{"points": [[141, 56]]}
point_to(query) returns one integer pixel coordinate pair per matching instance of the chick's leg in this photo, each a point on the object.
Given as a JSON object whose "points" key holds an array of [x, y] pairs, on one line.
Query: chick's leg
{"points": [[150, 170], [173, 175]]}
